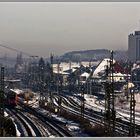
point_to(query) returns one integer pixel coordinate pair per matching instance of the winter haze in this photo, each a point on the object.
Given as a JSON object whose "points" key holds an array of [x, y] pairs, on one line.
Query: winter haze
{"points": [[44, 28]]}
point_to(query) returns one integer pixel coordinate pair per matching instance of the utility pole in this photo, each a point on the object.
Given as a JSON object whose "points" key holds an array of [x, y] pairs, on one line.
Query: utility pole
{"points": [[132, 113], [58, 86], [1, 100], [79, 78], [107, 116], [82, 100], [70, 78], [112, 94], [132, 130], [51, 84], [90, 79], [127, 93], [106, 88], [110, 113]]}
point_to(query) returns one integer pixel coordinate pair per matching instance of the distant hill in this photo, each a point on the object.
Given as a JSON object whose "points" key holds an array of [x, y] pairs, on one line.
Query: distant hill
{"points": [[88, 55], [75, 56]]}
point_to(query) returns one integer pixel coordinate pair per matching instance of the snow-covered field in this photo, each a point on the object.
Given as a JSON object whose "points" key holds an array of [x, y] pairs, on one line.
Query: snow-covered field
{"points": [[90, 102], [123, 110], [137, 98], [126, 105]]}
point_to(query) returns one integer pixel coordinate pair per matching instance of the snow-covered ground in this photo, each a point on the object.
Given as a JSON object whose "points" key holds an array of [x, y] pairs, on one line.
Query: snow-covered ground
{"points": [[90, 101], [18, 134], [73, 126], [5, 114], [137, 98], [59, 118], [126, 105], [34, 102], [123, 109]]}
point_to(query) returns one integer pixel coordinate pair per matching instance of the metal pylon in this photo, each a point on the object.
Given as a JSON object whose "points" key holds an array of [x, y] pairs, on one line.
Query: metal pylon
{"points": [[112, 96], [110, 113], [132, 130], [82, 100]]}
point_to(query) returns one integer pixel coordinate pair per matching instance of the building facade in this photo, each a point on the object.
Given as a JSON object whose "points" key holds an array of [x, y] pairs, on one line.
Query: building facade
{"points": [[134, 46]]}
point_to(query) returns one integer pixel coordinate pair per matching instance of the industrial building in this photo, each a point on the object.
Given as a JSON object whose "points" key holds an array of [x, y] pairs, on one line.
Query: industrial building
{"points": [[134, 46]]}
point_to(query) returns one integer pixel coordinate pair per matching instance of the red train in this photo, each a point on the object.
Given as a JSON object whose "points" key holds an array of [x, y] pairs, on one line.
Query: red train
{"points": [[10, 100]]}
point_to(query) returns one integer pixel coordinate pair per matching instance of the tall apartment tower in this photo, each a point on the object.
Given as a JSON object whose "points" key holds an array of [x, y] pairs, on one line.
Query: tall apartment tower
{"points": [[134, 46]]}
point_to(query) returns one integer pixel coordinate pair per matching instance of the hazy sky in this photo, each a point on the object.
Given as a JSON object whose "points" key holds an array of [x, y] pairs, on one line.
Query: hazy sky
{"points": [[44, 28]]}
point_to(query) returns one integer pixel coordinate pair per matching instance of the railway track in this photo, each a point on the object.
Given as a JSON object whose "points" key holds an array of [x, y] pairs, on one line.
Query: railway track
{"points": [[126, 119], [42, 127], [95, 116], [32, 125], [52, 124], [124, 124], [25, 125]]}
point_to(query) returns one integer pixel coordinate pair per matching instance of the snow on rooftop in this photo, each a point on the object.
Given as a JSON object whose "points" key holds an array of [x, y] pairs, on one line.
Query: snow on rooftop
{"points": [[17, 91], [102, 66], [61, 72], [85, 74], [73, 65], [65, 66]]}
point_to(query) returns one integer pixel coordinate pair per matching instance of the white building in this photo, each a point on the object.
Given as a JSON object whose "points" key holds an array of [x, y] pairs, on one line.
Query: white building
{"points": [[119, 77], [73, 65], [65, 66], [84, 76], [134, 46]]}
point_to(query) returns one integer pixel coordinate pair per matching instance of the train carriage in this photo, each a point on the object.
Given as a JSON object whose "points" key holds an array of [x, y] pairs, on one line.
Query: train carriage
{"points": [[10, 98]]}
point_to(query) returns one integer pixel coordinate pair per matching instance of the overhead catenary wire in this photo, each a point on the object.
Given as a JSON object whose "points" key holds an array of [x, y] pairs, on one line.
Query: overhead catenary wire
{"points": [[15, 50]]}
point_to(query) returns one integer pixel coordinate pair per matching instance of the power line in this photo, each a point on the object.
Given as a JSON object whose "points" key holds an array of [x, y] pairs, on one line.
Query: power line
{"points": [[15, 50]]}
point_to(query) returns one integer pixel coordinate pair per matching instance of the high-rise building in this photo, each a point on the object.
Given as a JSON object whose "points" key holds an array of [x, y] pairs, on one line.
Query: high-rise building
{"points": [[134, 46]]}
